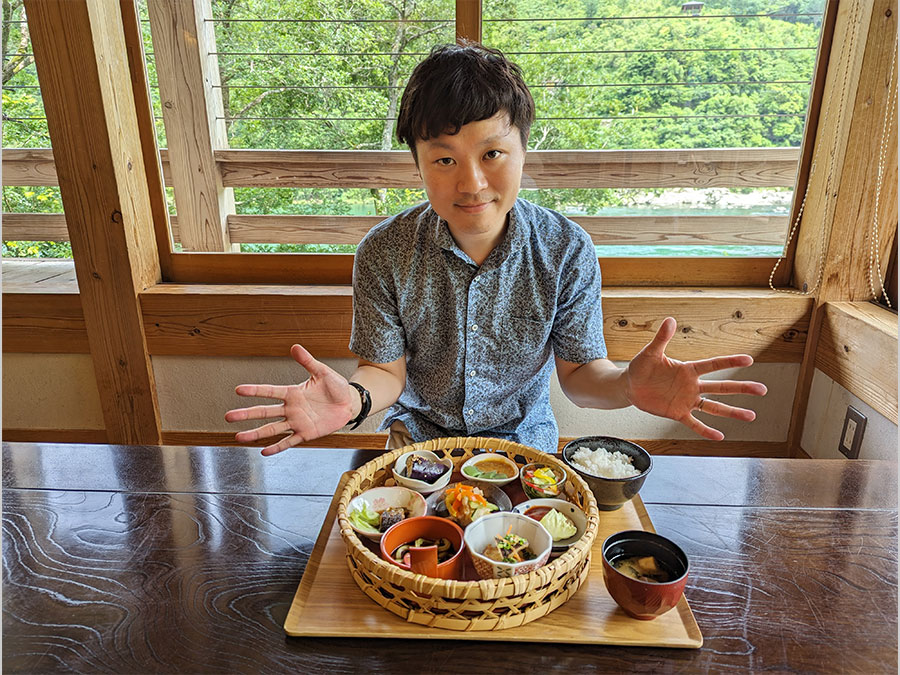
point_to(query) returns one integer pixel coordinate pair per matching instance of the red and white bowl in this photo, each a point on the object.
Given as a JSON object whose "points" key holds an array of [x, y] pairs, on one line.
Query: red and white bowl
{"points": [[483, 531]]}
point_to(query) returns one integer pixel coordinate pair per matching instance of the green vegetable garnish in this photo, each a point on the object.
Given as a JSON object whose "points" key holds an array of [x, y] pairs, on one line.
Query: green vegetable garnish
{"points": [[558, 525], [365, 518], [475, 472]]}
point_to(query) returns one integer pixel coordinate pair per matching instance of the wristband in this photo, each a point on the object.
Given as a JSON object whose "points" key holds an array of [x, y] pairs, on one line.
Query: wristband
{"points": [[365, 405]]}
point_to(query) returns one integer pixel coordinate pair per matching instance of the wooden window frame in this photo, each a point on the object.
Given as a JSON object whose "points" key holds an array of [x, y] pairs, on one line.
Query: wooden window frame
{"points": [[551, 169], [336, 269]]}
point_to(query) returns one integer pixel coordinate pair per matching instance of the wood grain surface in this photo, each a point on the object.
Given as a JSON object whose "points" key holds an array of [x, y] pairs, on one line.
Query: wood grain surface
{"points": [[712, 167], [267, 320], [857, 348], [180, 559], [191, 99], [83, 66], [36, 167], [702, 167]]}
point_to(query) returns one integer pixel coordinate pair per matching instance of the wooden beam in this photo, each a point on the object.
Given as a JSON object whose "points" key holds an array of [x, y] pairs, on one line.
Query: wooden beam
{"points": [[83, 69], [188, 73], [857, 348], [701, 168], [834, 231], [35, 227], [769, 326], [29, 166], [44, 323], [35, 166], [337, 268], [143, 107], [717, 167], [267, 320], [303, 229], [604, 230], [260, 321], [14, 435], [48, 227], [468, 20], [783, 274], [833, 240], [245, 320]]}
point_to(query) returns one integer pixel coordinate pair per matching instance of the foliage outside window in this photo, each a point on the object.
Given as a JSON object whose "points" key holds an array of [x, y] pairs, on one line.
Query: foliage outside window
{"points": [[605, 74]]}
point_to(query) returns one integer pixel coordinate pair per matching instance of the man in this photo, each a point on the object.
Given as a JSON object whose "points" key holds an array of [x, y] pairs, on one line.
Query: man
{"points": [[464, 305]]}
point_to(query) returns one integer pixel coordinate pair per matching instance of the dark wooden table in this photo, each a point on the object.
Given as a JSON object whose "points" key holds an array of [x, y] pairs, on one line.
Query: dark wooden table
{"points": [[185, 559]]}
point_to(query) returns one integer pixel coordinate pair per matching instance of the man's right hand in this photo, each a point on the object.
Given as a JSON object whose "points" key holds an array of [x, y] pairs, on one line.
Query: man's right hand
{"points": [[317, 407]]}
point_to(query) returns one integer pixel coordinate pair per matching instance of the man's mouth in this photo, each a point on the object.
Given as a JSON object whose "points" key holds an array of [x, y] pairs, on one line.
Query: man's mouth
{"points": [[474, 207]]}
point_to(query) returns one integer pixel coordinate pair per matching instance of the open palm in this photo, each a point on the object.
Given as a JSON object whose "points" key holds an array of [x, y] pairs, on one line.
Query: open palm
{"points": [[670, 388], [317, 407]]}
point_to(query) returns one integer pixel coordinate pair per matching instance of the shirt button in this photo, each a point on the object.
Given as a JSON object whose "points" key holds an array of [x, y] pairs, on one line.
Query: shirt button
{"points": [[474, 327], [471, 373], [470, 411]]}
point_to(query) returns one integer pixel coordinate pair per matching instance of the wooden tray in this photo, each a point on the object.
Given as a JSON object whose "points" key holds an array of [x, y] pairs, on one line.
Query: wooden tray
{"points": [[329, 604]]}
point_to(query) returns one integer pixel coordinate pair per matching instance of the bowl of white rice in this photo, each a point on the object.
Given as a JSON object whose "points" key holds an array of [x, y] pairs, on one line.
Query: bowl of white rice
{"points": [[614, 469]]}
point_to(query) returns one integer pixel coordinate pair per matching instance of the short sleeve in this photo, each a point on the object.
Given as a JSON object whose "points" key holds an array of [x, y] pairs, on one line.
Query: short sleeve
{"points": [[377, 334], [577, 334]]}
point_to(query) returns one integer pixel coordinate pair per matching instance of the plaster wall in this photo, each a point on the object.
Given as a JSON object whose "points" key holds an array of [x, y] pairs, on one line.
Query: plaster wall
{"points": [[183, 407], [825, 412], [50, 391], [58, 391]]}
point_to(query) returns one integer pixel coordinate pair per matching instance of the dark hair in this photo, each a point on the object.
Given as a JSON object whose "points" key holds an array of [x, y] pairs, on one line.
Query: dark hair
{"points": [[458, 84]]}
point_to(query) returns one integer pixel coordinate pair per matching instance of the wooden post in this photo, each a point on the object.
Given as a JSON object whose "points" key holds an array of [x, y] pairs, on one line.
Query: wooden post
{"points": [[188, 73], [835, 230], [468, 20], [83, 70]]}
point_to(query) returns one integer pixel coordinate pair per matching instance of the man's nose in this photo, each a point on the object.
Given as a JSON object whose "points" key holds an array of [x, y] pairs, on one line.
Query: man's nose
{"points": [[471, 179]]}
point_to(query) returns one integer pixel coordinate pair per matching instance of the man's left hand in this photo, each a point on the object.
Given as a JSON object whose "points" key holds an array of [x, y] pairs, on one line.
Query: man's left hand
{"points": [[669, 388]]}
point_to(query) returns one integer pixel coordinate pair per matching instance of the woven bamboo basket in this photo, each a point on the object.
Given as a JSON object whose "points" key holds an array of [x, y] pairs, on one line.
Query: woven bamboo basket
{"points": [[490, 604]]}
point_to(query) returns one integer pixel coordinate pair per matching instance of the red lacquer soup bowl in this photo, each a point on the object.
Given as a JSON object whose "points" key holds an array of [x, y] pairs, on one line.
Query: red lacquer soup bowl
{"points": [[642, 599]]}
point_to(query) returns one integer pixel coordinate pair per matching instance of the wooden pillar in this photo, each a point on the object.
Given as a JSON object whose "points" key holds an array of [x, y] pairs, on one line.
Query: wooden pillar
{"points": [[188, 74], [85, 83], [835, 233], [468, 20]]}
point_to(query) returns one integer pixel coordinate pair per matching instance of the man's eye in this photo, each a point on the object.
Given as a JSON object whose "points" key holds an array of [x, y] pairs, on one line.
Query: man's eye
{"points": [[492, 154], [445, 161]]}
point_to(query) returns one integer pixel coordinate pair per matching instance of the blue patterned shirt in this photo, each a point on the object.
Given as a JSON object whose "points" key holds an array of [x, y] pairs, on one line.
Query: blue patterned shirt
{"points": [[478, 340]]}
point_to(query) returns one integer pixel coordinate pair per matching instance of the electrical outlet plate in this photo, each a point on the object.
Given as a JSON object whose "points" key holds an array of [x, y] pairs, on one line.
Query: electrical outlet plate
{"points": [[852, 433]]}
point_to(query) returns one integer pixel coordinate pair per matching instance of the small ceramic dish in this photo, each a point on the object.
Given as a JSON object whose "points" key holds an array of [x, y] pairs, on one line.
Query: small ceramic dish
{"points": [[381, 498], [536, 486], [490, 468], [437, 506], [399, 471], [538, 508], [484, 532], [424, 559], [610, 493]]}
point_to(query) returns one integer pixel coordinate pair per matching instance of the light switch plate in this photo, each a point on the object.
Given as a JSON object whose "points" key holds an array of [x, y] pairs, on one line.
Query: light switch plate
{"points": [[852, 433]]}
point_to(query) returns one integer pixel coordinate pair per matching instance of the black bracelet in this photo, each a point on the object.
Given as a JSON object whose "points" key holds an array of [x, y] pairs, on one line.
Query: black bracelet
{"points": [[365, 405]]}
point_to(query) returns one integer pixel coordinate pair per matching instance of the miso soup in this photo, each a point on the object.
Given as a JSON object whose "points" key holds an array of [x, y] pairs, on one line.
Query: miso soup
{"points": [[643, 568]]}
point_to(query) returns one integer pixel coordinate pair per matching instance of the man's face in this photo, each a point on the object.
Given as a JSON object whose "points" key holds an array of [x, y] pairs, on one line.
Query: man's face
{"points": [[472, 177]]}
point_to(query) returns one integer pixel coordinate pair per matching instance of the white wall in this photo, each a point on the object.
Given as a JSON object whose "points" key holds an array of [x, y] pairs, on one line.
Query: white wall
{"points": [[58, 391], [824, 422], [183, 407]]}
